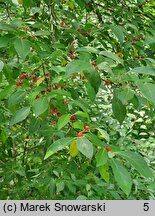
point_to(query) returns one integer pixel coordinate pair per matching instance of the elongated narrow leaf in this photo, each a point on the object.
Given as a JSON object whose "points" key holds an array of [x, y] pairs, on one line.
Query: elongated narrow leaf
{"points": [[93, 78], [22, 47], [6, 27], [119, 110], [137, 162], [39, 106], [121, 175], [118, 31], [1, 65], [101, 157], [77, 66], [16, 98], [85, 147], [58, 145], [87, 49], [104, 172], [112, 56], [95, 140], [125, 95], [73, 150], [4, 93], [20, 115], [144, 70], [148, 91], [63, 120], [104, 134]]}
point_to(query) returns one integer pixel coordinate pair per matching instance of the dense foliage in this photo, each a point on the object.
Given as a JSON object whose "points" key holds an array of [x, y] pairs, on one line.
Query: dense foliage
{"points": [[77, 92]]}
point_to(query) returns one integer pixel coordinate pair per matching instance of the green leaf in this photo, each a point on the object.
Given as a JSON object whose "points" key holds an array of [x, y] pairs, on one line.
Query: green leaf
{"points": [[121, 175], [6, 27], [87, 49], [1, 65], [39, 106], [90, 91], [118, 31], [78, 125], [119, 110], [85, 147], [95, 140], [137, 162], [16, 98], [22, 47], [144, 70], [104, 172], [104, 134], [20, 115], [125, 95], [147, 90], [57, 146], [82, 114], [93, 78], [77, 66], [63, 120], [34, 125], [112, 56], [4, 93], [101, 157]]}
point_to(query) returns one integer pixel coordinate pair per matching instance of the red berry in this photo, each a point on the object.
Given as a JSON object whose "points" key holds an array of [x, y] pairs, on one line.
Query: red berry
{"points": [[80, 134], [34, 78], [142, 38], [87, 128], [135, 39], [107, 82], [73, 42], [58, 114], [43, 92], [62, 23], [108, 148], [32, 49], [142, 57], [31, 86], [55, 109], [47, 74], [53, 123], [72, 57], [48, 89], [94, 63], [72, 51], [79, 30], [33, 16], [64, 103], [37, 97], [19, 83], [57, 86], [50, 103], [52, 112], [73, 118]]}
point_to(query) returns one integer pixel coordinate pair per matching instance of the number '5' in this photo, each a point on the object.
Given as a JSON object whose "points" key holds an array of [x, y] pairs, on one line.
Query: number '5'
{"points": [[146, 207]]}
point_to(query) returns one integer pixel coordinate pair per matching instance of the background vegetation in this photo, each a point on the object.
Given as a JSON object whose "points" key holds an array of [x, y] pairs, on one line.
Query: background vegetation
{"points": [[77, 92]]}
